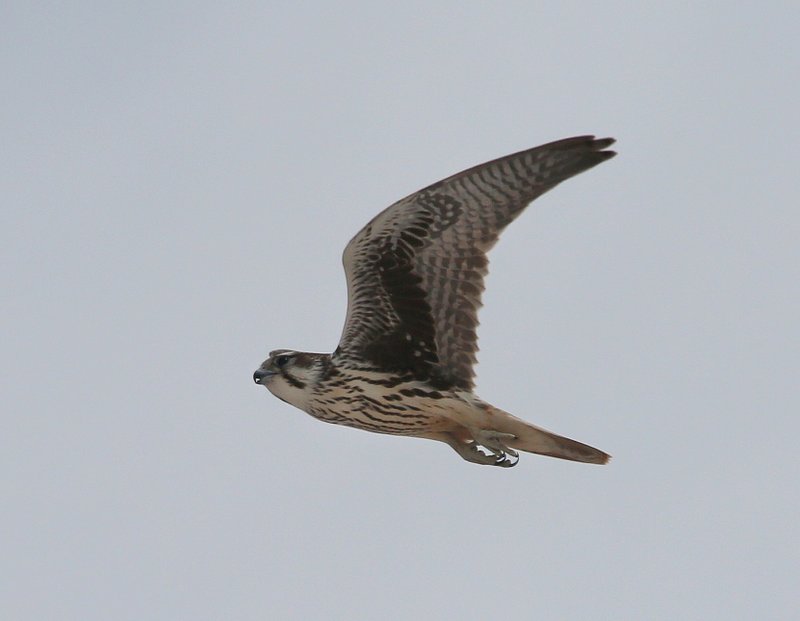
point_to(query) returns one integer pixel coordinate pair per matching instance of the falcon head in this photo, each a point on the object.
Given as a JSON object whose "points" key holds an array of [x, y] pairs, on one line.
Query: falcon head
{"points": [[291, 375]]}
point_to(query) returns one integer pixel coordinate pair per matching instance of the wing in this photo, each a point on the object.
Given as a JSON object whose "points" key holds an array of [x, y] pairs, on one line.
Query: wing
{"points": [[415, 272]]}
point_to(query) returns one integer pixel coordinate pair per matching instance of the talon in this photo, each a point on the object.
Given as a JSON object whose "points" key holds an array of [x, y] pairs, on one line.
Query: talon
{"points": [[488, 448], [505, 462]]}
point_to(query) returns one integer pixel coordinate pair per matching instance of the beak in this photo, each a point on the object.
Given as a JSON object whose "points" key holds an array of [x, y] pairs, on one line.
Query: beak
{"points": [[262, 374]]}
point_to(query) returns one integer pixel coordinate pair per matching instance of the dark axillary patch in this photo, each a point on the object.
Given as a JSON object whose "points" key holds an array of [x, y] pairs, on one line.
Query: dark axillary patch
{"points": [[410, 345]]}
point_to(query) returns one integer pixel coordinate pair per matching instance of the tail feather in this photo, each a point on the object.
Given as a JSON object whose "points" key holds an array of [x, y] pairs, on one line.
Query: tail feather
{"points": [[533, 439]]}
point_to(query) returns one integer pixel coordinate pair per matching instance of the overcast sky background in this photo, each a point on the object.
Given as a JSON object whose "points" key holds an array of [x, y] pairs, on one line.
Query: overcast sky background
{"points": [[178, 184]]}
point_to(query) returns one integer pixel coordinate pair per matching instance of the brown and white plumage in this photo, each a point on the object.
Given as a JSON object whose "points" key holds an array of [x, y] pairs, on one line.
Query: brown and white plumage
{"points": [[404, 364]]}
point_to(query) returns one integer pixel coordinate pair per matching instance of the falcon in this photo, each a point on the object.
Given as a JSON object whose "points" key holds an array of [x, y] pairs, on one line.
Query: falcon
{"points": [[404, 364]]}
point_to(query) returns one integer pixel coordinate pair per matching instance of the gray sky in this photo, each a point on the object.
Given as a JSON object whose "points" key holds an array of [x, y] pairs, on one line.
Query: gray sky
{"points": [[178, 184]]}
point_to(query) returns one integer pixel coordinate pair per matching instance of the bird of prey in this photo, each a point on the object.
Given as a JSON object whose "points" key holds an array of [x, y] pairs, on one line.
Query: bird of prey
{"points": [[404, 364]]}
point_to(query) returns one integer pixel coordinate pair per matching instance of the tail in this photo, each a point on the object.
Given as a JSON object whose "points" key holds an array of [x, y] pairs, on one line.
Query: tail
{"points": [[532, 439]]}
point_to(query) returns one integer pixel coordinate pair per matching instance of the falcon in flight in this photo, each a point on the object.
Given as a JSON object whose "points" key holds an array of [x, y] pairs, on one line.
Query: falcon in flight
{"points": [[404, 364]]}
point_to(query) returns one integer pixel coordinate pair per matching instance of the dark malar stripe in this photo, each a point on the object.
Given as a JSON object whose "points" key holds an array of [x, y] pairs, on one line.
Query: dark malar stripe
{"points": [[294, 382]]}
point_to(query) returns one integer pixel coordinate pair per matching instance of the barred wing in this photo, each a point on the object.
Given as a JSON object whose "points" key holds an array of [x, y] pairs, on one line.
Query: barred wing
{"points": [[415, 272]]}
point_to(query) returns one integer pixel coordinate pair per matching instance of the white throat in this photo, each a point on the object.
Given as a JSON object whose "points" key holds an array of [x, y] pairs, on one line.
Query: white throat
{"points": [[298, 397]]}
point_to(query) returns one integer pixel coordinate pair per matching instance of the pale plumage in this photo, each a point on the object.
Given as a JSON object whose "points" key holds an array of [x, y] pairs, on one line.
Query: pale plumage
{"points": [[404, 364]]}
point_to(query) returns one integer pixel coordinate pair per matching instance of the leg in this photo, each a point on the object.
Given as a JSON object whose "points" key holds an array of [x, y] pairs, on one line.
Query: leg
{"points": [[470, 450]]}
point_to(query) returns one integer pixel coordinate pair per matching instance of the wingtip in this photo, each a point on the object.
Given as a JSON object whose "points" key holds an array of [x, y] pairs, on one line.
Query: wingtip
{"points": [[587, 142], [600, 145]]}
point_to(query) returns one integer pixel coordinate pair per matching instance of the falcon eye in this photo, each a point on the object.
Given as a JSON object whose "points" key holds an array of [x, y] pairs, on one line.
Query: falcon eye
{"points": [[281, 361]]}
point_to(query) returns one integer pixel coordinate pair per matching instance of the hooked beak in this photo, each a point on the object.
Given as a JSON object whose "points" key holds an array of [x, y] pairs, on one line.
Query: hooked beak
{"points": [[262, 374]]}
